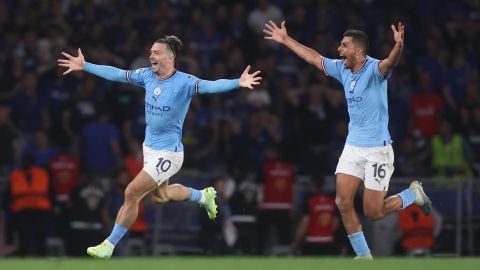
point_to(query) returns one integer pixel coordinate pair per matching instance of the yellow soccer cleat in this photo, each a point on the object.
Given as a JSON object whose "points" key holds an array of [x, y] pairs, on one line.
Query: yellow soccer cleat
{"points": [[210, 205], [102, 251]]}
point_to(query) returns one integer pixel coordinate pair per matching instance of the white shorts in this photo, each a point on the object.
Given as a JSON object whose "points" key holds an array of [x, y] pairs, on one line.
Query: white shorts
{"points": [[160, 164], [374, 165]]}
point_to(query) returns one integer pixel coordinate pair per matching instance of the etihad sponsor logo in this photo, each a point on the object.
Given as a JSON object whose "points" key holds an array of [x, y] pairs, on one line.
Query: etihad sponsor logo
{"points": [[354, 100], [155, 108]]}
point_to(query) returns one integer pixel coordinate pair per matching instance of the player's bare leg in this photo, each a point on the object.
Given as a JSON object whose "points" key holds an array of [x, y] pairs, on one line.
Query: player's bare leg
{"points": [[375, 206], [347, 186], [134, 193], [176, 192]]}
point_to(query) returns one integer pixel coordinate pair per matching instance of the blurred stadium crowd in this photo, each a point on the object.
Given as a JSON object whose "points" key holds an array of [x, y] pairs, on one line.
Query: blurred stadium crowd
{"points": [[87, 133]]}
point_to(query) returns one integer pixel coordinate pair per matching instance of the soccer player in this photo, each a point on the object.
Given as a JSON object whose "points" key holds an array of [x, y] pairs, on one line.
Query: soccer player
{"points": [[368, 155], [168, 95]]}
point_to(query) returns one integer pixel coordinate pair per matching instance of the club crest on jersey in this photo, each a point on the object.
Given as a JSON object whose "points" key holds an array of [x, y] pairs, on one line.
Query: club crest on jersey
{"points": [[157, 91], [352, 84]]}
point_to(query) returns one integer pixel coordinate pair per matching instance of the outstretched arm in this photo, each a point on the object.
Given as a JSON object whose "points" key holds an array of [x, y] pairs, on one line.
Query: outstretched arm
{"points": [[281, 36], [393, 58], [78, 63], [223, 85]]}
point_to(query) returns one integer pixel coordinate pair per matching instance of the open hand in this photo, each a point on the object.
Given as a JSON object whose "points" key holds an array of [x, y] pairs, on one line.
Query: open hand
{"points": [[275, 33], [72, 63], [249, 80], [398, 34]]}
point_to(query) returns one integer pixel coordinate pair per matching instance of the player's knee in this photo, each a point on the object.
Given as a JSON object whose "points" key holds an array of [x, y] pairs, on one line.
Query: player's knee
{"points": [[131, 194], [343, 204], [373, 214]]}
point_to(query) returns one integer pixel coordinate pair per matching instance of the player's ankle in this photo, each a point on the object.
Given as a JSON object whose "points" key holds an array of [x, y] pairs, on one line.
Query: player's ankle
{"points": [[203, 198]]}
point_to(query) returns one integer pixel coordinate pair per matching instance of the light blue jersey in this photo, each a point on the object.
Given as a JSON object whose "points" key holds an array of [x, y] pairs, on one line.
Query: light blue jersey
{"points": [[366, 95], [166, 105], [166, 100]]}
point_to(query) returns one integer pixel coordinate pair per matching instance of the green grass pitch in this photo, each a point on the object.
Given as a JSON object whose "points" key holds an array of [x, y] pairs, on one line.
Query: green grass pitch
{"points": [[244, 263]]}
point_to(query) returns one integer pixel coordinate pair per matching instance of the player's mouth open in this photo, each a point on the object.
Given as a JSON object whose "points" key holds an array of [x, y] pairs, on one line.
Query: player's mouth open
{"points": [[154, 65]]}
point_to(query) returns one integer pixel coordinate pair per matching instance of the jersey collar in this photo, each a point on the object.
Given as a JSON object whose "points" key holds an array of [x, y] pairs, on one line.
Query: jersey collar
{"points": [[363, 65], [169, 76]]}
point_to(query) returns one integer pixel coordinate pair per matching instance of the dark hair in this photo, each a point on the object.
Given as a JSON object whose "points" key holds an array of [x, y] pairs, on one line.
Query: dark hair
{"points": [[173, 43], [358, 37]]}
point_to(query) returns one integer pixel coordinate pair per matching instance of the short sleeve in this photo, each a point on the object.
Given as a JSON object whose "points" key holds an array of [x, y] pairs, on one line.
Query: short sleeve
{"points": [[332, 68], [136, 77], [377, 73], [191, 83]]}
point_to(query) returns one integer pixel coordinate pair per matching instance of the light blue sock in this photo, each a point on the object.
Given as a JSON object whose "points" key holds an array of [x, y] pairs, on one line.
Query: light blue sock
{"points": [[408, 197], [117, 233], [359, 244], [195, 195]]}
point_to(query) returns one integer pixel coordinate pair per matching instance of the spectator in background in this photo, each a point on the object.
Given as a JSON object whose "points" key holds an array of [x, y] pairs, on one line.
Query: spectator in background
{"points": [[83, 107], [29, 108], [133, 162], [455, 79], [59, 92], [315, 234], [201, 136], [419, 231], [101, 148], [413, 157], [260, 15], [8, 134], [451, 155], [237, 23], [88, 216], [336, 143], [277, 200], [425, 108], [135, 125], [473, 133], [40, 149], [265, 128], [244, 208], [470, 121], [29, 197], [64, 170], [219, 237], [315, 115]]}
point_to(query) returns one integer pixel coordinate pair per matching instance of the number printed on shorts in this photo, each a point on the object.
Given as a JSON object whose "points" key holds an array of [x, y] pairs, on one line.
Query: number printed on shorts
{"points": [[379, 170], [164, 165]]}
